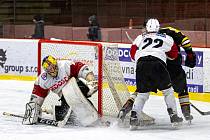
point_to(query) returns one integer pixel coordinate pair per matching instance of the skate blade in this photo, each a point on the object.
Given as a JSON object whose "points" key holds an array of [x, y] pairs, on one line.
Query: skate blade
{"points": [[176, 125], [120, 123], [106, 123], [146, 123], [189, 122], [133, 127]]}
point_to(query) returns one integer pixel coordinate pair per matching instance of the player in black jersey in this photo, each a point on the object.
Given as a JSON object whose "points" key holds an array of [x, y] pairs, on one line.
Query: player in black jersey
{"points": [[176, 71]]}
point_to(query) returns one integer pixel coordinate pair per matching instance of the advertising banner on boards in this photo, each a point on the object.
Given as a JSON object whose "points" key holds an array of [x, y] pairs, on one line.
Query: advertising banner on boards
{"points": [[194, 75], [18, 57]]}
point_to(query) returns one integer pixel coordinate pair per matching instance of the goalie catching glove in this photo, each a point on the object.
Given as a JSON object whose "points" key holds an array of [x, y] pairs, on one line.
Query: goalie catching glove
{"points": [[190, 59]]}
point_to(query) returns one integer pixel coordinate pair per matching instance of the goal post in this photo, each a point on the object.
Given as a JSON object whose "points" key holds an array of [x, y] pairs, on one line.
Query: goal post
{"points": [[103, 59]]}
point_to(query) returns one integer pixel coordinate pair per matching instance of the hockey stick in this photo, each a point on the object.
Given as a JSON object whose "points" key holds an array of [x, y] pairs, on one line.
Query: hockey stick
{"points": [[129, 38], [201, 112], [40, 120], [12, 115], [112, 88]]}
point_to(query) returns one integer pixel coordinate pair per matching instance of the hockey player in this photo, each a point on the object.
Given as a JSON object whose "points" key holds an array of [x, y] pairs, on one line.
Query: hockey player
{"points": [[177, 74], [149, 53], [176, 71], [57, 77]]}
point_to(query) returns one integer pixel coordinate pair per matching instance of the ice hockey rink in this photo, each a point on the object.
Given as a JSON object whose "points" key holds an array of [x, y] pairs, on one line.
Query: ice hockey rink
{"points": [[14, 95]]}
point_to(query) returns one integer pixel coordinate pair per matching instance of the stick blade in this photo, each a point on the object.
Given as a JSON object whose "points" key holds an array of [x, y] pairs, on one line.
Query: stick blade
{"points": [[206, 113]]}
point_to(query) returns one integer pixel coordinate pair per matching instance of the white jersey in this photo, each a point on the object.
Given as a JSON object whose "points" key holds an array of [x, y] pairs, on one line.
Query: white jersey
{"points": [[66, 70], [153, 44], [56, 84]]}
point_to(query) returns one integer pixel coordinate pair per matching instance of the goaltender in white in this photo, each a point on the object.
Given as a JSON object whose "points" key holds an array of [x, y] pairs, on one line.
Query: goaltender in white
{"points": [[73, 82]]}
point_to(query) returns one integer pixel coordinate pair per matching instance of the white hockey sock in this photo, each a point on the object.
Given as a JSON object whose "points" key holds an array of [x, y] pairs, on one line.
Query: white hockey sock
{"points": [[140, 101], [170, 99]]}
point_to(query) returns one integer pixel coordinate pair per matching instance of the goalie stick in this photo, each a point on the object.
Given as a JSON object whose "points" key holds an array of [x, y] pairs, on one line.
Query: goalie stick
{"points": [[201, 112], [112, 88], [53, 122], [40, 120]]}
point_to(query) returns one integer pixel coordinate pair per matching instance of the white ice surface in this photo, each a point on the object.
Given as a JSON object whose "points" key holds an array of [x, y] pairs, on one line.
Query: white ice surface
{"points": [[14, 95]]}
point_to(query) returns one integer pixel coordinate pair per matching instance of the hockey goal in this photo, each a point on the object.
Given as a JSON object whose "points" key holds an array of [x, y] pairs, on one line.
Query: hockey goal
{"points": [[103, 60]]}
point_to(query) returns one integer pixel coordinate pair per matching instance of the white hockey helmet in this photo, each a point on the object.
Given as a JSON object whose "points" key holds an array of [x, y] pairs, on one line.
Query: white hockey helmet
{"points": [[152, 25]]}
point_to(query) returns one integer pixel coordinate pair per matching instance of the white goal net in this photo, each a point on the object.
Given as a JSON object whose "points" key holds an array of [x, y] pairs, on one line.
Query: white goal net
{"points": [[103, 60]]}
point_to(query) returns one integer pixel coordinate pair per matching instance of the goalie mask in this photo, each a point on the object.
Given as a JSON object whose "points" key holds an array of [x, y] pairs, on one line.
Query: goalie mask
{"points": [[49, 64]]}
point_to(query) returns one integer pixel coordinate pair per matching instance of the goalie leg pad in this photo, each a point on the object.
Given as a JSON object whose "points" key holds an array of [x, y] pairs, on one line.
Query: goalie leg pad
{"points": [[65, 119], [60, 111], [84, 111], [32, 113], [83, 87]]}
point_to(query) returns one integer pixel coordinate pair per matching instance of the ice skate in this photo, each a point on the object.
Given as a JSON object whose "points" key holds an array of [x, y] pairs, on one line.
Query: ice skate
{"points": [[186, 113], [134, 122], [175, 120]]}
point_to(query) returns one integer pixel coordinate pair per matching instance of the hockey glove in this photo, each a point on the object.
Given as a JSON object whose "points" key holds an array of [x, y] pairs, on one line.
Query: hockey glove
{"points": [[88, 88], [190, 60], [93, 87], [32, 113]]}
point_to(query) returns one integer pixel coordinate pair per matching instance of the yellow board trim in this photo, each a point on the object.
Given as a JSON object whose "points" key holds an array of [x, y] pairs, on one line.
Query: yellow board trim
{"points": [[15, 77], [204, 97]]}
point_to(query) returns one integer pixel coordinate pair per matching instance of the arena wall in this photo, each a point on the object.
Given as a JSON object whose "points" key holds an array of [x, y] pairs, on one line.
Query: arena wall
{"points": [[18, 61]]}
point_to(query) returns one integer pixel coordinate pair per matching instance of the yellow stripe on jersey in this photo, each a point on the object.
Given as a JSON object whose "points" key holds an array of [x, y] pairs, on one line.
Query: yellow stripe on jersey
{"points": [[186, 43], [184, 39], [173, 29]]}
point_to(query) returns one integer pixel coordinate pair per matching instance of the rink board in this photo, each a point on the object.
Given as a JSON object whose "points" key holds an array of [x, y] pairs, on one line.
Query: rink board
{"points": [[19, 62]]}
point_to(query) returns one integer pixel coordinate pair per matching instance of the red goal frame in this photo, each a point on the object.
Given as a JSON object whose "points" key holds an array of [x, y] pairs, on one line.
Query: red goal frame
{"points": [[85, 43]]}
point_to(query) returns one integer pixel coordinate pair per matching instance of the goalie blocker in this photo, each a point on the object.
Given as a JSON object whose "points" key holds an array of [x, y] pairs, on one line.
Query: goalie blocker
{"points": [[74, 100]]}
